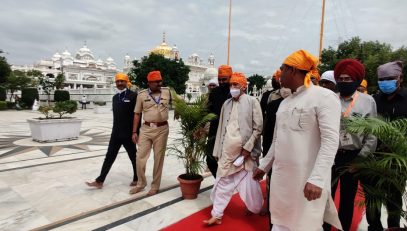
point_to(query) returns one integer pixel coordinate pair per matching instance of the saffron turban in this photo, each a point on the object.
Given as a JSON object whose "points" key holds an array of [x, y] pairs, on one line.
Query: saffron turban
{"points": [[364, 83], [277, 74], [351, 67], [154, 76], [303, 60], [123, 77], [224, 71], [239, 78], [391, 69]]}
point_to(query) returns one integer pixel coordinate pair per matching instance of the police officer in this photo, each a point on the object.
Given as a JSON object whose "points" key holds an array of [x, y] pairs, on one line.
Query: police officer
{"points": [[154, 104], [123, 107]]}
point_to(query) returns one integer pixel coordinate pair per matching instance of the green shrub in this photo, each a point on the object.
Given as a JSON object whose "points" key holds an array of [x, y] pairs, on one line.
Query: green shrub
{"points": [[3, 94], [3, 105], [65, 107], [11, 105], [61, 95], [99, 103], [28, 95]]}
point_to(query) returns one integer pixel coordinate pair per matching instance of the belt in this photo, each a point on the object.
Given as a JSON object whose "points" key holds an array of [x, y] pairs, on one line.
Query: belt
{"points": [[155, 124]]}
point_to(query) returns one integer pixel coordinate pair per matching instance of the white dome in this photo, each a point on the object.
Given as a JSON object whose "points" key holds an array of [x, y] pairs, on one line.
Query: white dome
{"points": [[56, 55], [66, 53], [99, 62], [84, 53], [210, 73], [127, 57], [110, 60]]}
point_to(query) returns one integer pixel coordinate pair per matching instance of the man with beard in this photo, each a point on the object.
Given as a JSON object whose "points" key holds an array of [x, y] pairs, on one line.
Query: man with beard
{"points": [[216, 98], [349, 73], [328, 80], [123, 107], [391, 104]]}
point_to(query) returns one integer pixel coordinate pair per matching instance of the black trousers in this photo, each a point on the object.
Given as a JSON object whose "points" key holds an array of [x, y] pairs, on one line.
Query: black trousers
{"points": [[112, 151], [393, 206], [349, 186], [210, 160]]}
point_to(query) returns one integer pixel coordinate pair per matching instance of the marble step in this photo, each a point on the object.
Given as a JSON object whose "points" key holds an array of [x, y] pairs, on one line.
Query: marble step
{"points": [[140, 212]]}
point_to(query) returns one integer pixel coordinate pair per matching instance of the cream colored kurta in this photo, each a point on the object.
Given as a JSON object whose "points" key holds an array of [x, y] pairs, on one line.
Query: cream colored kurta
{"points": [[232, 145], [304, 146]]}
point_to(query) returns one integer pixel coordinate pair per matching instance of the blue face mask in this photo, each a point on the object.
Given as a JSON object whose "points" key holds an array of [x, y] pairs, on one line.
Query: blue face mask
{"points": [[388, 86]]}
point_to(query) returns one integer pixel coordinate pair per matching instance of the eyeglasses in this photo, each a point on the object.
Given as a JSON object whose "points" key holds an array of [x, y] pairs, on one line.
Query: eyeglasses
{"points": [[223, 79]]}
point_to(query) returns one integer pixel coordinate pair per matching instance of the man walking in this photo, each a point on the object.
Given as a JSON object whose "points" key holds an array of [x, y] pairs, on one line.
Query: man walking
{"points": [[216, 98], [154, 103], [237, 149], [303, 149], [123, 107]]}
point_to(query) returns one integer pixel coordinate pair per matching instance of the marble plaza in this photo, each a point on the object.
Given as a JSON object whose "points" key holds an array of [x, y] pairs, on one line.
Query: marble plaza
{"points": [[42, 185]]}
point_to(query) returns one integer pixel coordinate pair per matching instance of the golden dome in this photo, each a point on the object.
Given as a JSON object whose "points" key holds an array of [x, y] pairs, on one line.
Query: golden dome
{"points": [[163, 49]]}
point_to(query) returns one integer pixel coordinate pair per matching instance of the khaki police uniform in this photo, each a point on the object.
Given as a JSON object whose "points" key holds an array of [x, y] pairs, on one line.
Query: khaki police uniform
{"points": [[153, 133]]}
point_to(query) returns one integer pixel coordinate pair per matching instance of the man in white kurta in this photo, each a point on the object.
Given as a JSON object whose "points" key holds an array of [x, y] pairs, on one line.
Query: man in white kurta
{"points": [[304, 146], [237, 138]]}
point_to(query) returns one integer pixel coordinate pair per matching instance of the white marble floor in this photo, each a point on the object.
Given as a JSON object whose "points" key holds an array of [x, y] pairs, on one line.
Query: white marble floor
{"points": [[42, 186]]}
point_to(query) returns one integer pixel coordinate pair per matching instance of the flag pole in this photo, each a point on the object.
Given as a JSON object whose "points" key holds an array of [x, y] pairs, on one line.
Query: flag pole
{"points": [[230, 17], [321, 34]]}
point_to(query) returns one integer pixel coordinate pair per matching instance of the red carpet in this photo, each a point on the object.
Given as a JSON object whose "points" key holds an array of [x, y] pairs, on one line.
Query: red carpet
{"points": [[235, 219]]}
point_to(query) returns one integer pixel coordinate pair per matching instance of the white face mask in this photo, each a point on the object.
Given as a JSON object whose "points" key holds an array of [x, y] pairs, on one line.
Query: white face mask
{"points": [[234, 92], [120, 91], [285, 92]]}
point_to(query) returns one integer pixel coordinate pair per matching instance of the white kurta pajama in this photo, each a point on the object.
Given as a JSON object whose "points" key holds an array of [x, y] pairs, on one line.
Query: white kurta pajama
{"points": [[305, 142], [228, 146]]}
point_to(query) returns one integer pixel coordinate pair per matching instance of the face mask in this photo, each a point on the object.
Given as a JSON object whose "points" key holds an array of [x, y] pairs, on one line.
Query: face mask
{"points": [[120, 91], [224, 85], [347, 88], [234, 92], [285, 92], [275, 84], [388, 86]]}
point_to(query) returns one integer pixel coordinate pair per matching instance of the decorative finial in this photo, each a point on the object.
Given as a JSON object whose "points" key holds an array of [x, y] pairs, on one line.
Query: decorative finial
{"points": [[164, 37]]}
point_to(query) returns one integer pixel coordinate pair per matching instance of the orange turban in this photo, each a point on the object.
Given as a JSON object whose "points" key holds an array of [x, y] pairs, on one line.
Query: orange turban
{"points": [[239, 78], [303, 60], [123, 77], [224, 71], [277, 74], [154, 76]]}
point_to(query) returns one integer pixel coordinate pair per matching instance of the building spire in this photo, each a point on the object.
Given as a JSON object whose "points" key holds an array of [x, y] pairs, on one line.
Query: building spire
{"points": [[164, 37]]}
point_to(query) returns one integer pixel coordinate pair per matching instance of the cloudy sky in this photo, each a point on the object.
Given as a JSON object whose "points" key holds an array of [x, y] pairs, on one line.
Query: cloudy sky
{"points": [[263, 31]]}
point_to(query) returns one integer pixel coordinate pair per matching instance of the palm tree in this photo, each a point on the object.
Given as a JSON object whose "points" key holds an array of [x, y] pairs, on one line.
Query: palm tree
{"points": [[387, 167]]}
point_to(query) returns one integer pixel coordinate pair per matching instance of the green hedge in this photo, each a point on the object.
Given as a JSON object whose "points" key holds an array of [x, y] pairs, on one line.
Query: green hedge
{"points": [[3, 105], [11, 105], [3, 94], [28, 95], [61, 95]]}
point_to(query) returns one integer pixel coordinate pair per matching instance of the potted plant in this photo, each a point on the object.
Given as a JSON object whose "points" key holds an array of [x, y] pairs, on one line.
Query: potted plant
{"points": [[55, 127], [388, 165], [190, 147]]}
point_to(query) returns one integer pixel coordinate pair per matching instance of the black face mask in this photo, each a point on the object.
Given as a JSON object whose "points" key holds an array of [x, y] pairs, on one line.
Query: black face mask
{"points": [[224, 86], [347, 88], [275, 84]]}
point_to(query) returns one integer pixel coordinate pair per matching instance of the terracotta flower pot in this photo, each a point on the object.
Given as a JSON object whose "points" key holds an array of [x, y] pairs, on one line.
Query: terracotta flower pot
{"points": [[189, 187]]}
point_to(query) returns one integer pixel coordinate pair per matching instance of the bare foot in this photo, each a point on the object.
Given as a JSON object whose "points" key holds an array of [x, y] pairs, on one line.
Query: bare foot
{"points": [[95, 184], [133, 183], [213, 221], [152, 192], [135, 190]]}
